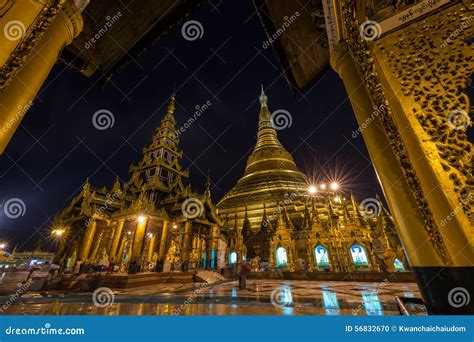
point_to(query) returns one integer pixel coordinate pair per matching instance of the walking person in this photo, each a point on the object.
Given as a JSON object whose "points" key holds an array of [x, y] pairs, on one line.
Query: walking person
{"points": [[244, 270]]}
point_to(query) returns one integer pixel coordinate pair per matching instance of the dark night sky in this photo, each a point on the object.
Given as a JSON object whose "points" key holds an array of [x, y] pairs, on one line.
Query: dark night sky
{"points": [[57, 147]]}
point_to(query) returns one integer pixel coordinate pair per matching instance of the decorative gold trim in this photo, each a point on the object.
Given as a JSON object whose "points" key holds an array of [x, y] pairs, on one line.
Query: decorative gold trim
{"points": [[363, 56], [31, 38]]}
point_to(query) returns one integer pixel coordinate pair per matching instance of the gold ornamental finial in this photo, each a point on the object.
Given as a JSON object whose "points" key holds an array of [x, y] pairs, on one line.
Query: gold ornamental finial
{"points": [[263, 98], [171, 104]]}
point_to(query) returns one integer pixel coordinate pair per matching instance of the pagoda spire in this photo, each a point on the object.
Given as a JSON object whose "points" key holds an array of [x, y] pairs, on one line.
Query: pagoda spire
{"points": [[160, 166], [207, 192], [357, 215], [269, 155], [307, 218], [332, 217], [265, 222], [263, 98], [246, 227], [171, 105], [266, 135]]}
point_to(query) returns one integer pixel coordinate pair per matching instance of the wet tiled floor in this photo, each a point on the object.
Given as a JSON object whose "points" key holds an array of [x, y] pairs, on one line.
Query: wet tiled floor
{"points": [[262, 297]]}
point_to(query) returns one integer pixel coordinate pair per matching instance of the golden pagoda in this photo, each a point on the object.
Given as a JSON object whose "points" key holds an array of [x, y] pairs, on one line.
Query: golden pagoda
{"points": [[272, 218]]}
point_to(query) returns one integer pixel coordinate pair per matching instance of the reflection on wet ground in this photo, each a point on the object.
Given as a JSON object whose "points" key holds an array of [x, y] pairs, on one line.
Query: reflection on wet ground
{"points": [[262, 297]]}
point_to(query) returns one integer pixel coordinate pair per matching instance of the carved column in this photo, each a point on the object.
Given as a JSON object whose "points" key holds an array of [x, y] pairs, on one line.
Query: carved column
{"points": [[427, 179], [116, 238], [425, 71], [87, 241], [96, 250], [137, 244], [188, 225], [151, 247], [18, 96], [164, 237], [214, 246], [22, 23]]}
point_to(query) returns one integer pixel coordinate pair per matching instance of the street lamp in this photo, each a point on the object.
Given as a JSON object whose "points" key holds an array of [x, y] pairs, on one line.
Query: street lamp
{"points": [[334, 186], [322, 186]]}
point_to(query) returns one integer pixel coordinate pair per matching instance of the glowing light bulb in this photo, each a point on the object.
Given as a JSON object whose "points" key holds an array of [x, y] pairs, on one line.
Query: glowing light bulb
{"points": [[322, 186], [141, 219], [312, 189], [334, 186], [59, 232]]}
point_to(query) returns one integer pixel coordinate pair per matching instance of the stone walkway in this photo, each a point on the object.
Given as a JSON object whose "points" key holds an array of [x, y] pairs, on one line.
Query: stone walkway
{"points": [[262, 297]]}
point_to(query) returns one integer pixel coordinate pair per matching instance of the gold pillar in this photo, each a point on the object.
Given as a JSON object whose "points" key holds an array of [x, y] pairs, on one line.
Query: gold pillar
{"points": [[116, 238], [151, 247], [95, 251], [18, 96], [121, 249], [214, 244], [409, 223], [187, 235], [443, 167], [16, 23], [137, 245], [87, 241], [164, 237]]}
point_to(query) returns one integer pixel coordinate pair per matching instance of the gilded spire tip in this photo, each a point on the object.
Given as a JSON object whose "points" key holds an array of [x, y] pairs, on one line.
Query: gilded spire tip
{"points": [[263, 97]]}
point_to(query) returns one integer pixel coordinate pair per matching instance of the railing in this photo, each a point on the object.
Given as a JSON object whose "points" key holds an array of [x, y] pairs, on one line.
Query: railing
{"points": [[410, 306]]}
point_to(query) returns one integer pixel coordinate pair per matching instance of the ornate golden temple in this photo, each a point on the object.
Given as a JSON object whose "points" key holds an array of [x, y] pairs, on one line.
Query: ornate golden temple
{"points": [[151, 222], [155, 222]]}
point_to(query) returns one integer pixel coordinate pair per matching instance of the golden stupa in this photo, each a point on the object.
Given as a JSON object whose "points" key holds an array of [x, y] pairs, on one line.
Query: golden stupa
{"points": [[271, 177]]}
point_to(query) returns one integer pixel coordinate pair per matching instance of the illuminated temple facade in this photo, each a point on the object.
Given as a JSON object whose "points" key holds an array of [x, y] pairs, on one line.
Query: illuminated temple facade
{"points": [[269, 219], [151, 222]]}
